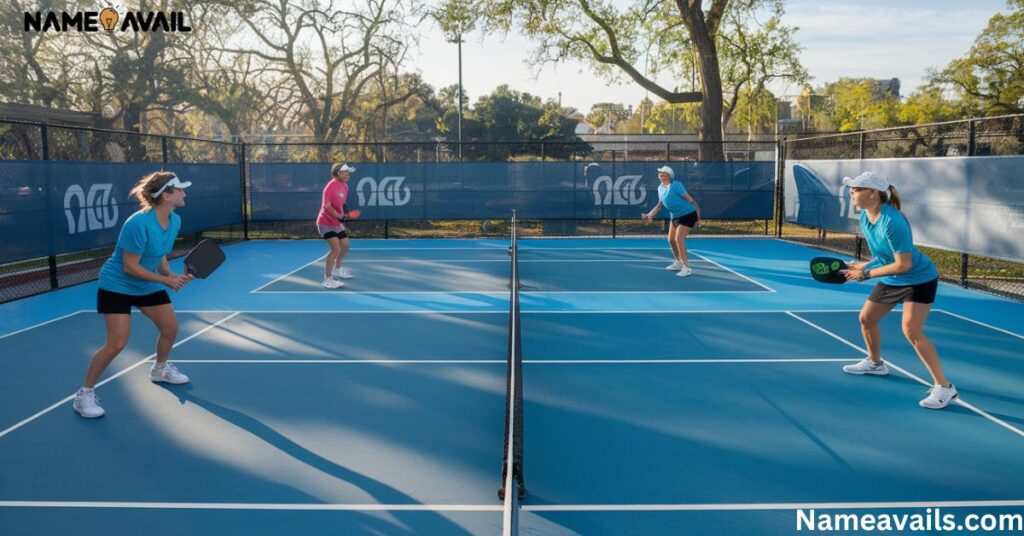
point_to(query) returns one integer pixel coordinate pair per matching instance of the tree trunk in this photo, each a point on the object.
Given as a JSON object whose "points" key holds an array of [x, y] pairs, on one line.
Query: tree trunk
{"points": [[702, 33]]}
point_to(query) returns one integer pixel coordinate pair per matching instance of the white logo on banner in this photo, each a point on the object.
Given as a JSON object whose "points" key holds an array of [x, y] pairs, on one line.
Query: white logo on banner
{"points": [[846, 206], [626, 190], [96, 211], [389, 192]]}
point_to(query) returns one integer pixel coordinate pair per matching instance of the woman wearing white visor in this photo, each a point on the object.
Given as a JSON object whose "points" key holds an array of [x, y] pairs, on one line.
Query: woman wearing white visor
{"points": [[684, 213], [135, 276], [905, 276]]}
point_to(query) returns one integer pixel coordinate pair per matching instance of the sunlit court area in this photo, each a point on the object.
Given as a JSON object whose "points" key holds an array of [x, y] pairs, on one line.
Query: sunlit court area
{"points": [[499, 268]]}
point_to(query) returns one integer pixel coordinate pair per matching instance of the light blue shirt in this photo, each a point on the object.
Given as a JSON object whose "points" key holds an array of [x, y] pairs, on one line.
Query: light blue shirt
{"points": [[671, 198], [142, 235], [889, 235]]}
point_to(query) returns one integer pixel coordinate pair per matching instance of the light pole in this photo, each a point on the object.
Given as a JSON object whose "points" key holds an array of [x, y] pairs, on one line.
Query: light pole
{"points": [[458, 40]]}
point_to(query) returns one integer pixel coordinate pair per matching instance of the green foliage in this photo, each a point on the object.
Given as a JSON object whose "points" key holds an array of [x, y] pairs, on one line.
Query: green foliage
{"points": [[990, 78], [927, 105], [607, 112], [668, 118], [509, 115], [861, 105]]}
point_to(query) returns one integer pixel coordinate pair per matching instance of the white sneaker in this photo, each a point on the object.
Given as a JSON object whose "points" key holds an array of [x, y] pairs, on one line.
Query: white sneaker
{"points": [[87, 404], [867, 366], [939, 397], [168, 373], [675, 266], [342, 273], [684, 271], [332, 283]]}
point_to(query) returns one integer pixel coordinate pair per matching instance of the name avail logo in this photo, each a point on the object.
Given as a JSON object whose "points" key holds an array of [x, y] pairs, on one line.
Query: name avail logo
{"points": [[625, 190], [389, 192], [106, 19], [95, 211]]}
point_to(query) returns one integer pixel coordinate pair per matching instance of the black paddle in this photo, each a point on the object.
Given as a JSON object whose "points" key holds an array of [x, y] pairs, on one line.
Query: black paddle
{"points": [[828, 270], [203, 259]]}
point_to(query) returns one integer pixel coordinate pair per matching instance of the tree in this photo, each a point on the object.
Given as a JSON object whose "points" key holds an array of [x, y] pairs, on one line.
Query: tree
{"points": [[506, 115], [752, 55], [990, 79], [755, 111], [861, 105], [928, 105], [239, 90], [614, 40], [618, 39], [329, 54], [33, 67], [668, 118], [607, 112]]}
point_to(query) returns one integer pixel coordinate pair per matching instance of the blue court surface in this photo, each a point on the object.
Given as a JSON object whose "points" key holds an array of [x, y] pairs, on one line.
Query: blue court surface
{"points": [[712, 404]]}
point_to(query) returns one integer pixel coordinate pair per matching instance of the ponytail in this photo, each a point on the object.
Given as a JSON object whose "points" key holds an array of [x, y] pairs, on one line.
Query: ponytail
{"points": [[892, 197], [148, 186]]}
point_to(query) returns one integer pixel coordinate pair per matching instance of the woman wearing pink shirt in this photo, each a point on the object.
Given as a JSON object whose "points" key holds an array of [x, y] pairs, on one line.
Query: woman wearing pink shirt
{"points": [[333, 212]]}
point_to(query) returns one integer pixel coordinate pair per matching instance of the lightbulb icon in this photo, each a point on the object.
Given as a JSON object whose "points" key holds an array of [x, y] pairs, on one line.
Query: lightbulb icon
{"points": [[108, 18]]}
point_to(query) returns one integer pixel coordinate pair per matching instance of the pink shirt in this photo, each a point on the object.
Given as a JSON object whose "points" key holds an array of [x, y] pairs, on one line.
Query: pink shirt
{"points": [[335, 195]]}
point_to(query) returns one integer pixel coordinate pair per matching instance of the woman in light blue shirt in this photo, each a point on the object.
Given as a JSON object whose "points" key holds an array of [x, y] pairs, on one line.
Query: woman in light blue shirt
{"points": [[906, 276], [684, 212], [135, 275]]}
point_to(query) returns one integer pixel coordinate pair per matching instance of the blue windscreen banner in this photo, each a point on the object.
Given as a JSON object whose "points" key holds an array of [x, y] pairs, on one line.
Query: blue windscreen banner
{"points": [[537, 190], [53, 207], [969, 204]]}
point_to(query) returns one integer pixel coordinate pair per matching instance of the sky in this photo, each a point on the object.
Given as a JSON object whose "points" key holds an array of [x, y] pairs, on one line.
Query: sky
{"points": [[841, 38]]}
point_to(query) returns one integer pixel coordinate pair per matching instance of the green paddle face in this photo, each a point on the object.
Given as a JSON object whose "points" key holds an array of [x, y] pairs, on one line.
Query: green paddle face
{"points": [[828, 270]]}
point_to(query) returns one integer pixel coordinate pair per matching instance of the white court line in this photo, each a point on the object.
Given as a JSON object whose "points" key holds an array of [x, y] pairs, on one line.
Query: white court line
{"points": [[764, 506], [503, 361], [1001, 330], [348, 361], [733, 271], [913, 376], [505, 311], [257, 289], [491, 293], [336, 312], [545, 292], [342, 292], [442, 261], [258, 506], [71, 397], [44, 323], [706, 507], [688, 361]]}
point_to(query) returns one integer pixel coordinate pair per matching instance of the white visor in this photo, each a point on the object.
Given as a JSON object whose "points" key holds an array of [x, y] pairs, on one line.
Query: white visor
{"points": [[175, 182]]}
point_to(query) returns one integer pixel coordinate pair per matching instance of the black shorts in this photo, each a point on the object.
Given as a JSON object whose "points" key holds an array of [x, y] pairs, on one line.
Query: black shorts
{"points": [[688, 220], [891, 295], [108, 302], [339, 235]]}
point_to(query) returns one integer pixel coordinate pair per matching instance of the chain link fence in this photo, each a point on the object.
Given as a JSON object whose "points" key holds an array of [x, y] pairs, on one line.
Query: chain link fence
{"points": [[609, 153], [26, 149]]}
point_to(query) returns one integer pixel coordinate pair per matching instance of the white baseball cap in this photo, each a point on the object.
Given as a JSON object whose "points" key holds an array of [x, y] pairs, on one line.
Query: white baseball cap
{"points": [[868, 179], [666, 169]]}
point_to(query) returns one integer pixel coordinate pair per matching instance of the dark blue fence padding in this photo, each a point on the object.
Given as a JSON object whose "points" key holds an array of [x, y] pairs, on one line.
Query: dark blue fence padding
{"points": [[537, 190], [53, 207]]}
